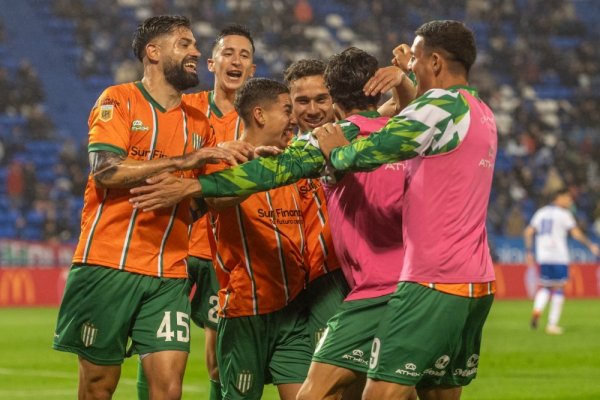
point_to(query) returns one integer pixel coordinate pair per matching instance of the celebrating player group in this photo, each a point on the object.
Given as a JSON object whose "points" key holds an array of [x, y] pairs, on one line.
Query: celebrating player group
{"points": [[329, 243]]}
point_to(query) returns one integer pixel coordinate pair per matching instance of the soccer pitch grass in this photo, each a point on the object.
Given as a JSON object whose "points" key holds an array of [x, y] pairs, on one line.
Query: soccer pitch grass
{"points": [[517, 363]]}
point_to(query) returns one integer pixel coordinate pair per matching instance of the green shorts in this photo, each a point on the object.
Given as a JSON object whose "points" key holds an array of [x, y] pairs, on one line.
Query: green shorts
{"points": [[323, 297], [349, 335], [256, 350], [103, 307], [428, 338], [205, 301]]}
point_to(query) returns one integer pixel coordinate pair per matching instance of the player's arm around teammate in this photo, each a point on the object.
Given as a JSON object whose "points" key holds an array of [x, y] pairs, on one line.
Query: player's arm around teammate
{"points": [[128, 278]]}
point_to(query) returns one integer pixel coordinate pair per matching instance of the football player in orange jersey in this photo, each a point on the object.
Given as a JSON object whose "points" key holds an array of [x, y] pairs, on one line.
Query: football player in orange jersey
{"points": [[232, 64], [258, 247], [129, 279]]}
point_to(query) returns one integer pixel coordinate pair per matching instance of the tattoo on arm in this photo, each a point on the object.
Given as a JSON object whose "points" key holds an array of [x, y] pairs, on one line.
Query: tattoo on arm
{"points": [[104, 164]]}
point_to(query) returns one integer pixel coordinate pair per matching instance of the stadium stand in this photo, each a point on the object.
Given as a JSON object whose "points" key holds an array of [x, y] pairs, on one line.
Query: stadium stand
{"points": [[537, 68]]}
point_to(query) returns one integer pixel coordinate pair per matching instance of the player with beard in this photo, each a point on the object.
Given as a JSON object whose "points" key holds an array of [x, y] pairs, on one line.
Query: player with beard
{"points": [[129, 277], [232, 64], [369, 248]]}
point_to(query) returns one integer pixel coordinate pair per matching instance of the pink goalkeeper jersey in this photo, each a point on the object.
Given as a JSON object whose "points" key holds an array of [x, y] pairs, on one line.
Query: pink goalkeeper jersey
{"points": [[365, 213], [446, 204]]}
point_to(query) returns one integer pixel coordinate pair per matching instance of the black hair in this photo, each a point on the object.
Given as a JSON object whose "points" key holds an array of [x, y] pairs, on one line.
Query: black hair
{"points": [[257, 92], [154, 27], [234, 30], [453, 37]]}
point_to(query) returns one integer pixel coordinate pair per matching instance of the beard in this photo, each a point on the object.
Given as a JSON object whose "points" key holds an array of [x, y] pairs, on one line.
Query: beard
{"points": [[178, 77]]}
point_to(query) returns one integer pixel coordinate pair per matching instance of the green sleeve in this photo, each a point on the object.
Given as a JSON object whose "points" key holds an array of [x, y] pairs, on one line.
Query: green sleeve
{"points": [[300, 160], [432, 124]]}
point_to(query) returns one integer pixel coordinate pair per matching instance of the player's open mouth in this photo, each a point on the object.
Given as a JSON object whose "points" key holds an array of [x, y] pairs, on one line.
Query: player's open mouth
{"points": [[234, 74], [190, 66], [314, 123]]}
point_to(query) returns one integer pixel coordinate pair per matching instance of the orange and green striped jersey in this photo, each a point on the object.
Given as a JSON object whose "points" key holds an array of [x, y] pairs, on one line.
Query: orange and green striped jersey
{"points": [[320, 254], [126, 120], [259, 251], [226, 127]]}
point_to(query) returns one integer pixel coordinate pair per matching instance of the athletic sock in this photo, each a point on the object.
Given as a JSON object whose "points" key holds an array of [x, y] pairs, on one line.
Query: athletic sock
{"points": [[541, 299], [142, 383], [215, 390], [556, 306]]}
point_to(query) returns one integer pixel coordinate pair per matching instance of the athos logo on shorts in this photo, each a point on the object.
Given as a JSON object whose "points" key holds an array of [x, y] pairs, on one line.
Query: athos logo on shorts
{"points": [[356, 356], [88, 334], [244, 381], [409, 370]]}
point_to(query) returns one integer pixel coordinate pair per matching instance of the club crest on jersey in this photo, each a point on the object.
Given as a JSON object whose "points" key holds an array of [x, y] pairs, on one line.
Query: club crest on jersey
{"points": [[138, 126], [244, 381], [88, 334], [197, 141], [106, 112]]}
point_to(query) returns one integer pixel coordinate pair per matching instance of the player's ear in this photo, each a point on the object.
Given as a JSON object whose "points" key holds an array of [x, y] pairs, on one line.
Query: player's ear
{"points": [[258, 116], [252, 70], [338, 113], [152, 52], [210, 63], [436, 63]]}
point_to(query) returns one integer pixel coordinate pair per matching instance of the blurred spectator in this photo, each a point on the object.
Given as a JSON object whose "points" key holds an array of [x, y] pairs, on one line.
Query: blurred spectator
{"points": [[303, 11], [15, 184], [39, 126], [28, 82]]}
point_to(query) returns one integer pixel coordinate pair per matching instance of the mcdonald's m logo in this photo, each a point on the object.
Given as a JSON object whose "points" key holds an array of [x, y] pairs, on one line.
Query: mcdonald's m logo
{"points": [[16, 287]]}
